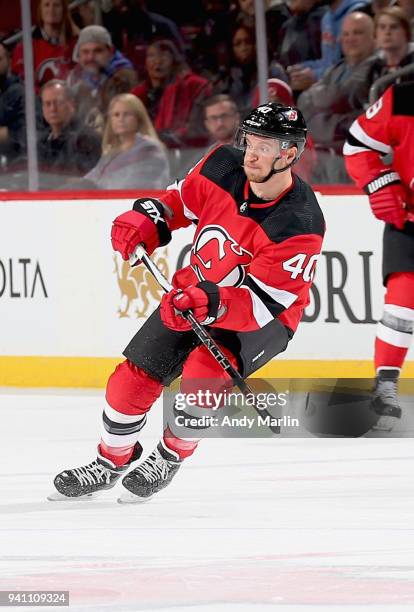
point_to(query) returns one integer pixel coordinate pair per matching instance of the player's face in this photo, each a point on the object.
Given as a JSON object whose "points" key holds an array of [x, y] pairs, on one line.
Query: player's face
{"points": [[259, 157], [264, 154], [123, 120], [222, 121]]}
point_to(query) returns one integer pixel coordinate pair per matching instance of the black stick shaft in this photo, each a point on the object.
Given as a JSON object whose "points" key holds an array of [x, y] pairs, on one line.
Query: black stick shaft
{"points": [[201, 332]]}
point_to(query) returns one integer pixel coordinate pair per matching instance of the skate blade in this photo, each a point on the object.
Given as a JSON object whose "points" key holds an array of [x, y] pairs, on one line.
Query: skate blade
{"points": [[385, 423], [56, 496], [130, 498]]}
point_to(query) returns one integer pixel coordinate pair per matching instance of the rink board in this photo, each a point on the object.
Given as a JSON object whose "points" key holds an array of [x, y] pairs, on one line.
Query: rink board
{"points": [[69, 304]]}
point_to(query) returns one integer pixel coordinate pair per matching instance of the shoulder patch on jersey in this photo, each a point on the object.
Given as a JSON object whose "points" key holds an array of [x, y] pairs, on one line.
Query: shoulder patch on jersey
{"points": [[298, 213], [224, 167], [403, 99]]}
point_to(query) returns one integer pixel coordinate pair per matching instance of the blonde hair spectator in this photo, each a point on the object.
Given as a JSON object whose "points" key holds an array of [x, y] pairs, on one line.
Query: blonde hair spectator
{"points": [[111, 141], [133, 156]]}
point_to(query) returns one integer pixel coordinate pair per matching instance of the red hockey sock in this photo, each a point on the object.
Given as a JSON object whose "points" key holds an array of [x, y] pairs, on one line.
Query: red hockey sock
{"points": [[183, 448], [119, 456]]}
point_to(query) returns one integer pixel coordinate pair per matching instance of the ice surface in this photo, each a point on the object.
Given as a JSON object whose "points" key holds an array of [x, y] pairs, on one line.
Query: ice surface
{"points": [[290, 524]]}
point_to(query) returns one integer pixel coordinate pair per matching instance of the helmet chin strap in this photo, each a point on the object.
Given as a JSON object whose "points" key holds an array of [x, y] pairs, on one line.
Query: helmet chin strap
{"points": [[274, 171]]}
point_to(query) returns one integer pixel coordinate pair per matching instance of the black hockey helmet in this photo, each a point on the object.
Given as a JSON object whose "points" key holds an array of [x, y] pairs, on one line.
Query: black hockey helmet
{"points": [[275, 120]]}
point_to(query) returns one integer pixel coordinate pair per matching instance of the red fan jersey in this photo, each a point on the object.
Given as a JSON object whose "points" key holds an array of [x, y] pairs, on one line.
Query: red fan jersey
{"points": [[386, 130], [50, 61], [264, 252]]}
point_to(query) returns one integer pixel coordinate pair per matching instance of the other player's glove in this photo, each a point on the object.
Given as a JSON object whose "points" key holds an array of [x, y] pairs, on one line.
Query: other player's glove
{"points": [[387, 198], [145, 224], [203, 300]]}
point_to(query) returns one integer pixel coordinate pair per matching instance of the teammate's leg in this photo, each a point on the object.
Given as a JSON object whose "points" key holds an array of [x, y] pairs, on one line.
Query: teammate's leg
{"points": [[394, 334], [201, 372]]}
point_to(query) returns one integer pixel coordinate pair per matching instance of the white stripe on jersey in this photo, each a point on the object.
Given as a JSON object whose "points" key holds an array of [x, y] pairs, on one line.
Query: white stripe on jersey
{"points": [[349, 149], [177, 185], [357, 131], [281, 296], [261, 314], [393, 337]]}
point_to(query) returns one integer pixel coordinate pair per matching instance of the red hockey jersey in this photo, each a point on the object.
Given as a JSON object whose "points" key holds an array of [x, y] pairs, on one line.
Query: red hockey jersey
{"points": [[50, 61], [386, 129], [264, 253]]}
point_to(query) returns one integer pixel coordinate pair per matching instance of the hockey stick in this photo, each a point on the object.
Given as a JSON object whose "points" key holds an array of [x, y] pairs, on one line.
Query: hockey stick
{"points": [[141, 255]]}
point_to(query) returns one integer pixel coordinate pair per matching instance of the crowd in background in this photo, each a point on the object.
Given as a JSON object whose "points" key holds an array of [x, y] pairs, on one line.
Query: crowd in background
{"points": [[130, 94]]}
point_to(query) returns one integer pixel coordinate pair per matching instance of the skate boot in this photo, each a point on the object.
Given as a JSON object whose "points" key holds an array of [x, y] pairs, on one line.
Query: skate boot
{"points": [[85, 481], [155, 473], [385, 400]]}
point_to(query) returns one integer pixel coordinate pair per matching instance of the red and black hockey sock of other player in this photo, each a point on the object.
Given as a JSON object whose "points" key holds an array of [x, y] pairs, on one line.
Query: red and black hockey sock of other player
{"points": [[395, 330], [130, 393]]}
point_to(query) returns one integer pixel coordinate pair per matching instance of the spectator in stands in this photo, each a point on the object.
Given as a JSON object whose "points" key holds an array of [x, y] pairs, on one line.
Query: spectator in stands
{"points": [[209, 51], [162, 63], [133, 28], [303, 75], [221, 118], [275, 16], [174, 95], [408, 8], [375, 6], [300, 35], [65, 146], [53, 41], [101, 73], [331, 104], [240, 78], [133, 156], [84, 15], [12, 111], [393, 34]]}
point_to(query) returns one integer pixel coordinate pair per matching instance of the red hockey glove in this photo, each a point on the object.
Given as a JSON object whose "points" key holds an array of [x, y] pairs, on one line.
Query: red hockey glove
{"points": [[145, 224], [387, 198], [203, 300]]}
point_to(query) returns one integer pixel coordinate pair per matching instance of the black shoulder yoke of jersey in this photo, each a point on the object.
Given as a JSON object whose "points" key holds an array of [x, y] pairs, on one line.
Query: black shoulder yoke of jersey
{"points": [[224, 168], [403, 102], [296, 214]]}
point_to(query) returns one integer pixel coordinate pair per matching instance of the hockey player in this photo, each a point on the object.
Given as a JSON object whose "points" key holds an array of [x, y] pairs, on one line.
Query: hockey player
{"points": [[259, 231], [387, 130]]}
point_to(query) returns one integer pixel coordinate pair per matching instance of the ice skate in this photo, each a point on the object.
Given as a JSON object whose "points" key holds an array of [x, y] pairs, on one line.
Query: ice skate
{"points": [[155, 473], [88, 481], [385, 401]]}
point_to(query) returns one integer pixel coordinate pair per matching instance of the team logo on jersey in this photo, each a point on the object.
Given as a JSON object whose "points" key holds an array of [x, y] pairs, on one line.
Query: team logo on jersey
{"points": [[138, 287], [217, 257]]}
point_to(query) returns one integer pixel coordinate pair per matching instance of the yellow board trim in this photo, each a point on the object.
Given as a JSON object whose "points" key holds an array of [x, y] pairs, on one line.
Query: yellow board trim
{"points": [[93, 372]]}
